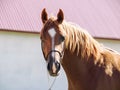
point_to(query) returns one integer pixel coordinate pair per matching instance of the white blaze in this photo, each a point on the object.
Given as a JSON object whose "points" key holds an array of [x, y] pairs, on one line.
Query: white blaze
{"points": [[52, 33]]}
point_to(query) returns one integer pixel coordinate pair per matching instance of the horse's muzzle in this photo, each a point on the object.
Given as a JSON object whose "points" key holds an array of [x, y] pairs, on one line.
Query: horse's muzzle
{"points": [[53, 66]]}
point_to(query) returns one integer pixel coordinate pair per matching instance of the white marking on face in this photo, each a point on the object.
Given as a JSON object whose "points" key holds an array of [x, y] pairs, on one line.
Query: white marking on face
{"points": [[54, 68], [52, 33]]}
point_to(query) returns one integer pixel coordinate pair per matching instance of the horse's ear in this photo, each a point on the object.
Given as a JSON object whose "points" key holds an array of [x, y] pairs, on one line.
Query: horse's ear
{"points": [[60, 16], [44, 15]]}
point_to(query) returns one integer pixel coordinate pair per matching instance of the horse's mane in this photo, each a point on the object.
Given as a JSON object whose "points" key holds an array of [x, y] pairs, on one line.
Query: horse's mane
{"points": [[79, 40]]}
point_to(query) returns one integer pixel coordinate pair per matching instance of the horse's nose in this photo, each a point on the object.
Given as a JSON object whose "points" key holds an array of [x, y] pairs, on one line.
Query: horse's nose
{"points": [[53, 66]]}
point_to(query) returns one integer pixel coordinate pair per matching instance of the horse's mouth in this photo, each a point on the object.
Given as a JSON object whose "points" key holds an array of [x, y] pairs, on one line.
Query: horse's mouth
{"points": [[53, 74]]}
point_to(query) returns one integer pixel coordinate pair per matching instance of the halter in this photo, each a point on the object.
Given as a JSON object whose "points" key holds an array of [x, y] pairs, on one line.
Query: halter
{"points": [[54, 51]]}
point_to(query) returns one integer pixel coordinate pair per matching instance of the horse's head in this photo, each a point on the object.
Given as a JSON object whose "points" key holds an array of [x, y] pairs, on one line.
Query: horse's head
{"points": [[52, 41]]}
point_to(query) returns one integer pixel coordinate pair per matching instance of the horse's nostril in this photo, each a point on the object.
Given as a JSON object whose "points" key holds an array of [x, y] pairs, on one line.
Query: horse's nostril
{"points": [[48, 67], [57, 65]]}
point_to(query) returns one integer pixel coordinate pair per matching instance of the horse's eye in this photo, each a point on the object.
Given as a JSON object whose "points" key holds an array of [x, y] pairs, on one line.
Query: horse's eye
{"points": [[62, 38]]}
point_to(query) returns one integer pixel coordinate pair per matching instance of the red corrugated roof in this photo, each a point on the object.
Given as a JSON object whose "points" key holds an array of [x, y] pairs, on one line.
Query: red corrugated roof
{"points": [[100, 17]]}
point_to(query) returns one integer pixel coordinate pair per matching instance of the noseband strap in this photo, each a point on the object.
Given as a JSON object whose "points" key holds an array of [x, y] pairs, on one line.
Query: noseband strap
{"points": [[54, 51]]}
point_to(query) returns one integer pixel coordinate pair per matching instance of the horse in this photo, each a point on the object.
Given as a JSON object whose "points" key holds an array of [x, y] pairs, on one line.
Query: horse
{"points": [[88, 64]]}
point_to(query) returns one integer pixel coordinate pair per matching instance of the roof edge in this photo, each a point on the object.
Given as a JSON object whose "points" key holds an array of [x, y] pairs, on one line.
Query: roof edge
{"points": [[108, 38], [27, 31], [35, 32]]}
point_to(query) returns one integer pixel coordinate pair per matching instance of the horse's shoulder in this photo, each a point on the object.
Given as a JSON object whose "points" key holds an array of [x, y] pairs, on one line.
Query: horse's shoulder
{"points": [[111, 59]]}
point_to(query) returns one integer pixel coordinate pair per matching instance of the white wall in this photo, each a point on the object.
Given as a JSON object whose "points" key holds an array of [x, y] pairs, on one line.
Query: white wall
{"points": [[22, 66], [113, 44]]}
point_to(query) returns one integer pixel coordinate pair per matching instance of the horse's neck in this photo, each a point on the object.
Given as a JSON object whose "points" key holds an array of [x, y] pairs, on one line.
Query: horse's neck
{"points": [[73, 62], [76, 69], [79, 72]]}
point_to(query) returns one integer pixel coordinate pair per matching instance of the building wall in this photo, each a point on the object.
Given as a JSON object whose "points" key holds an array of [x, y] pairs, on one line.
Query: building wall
{"points": [[113, 44], [22, 66]]}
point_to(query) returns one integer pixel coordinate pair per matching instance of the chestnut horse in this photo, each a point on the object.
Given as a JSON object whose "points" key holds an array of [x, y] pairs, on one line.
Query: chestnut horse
{"points": [[88, 64]]}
